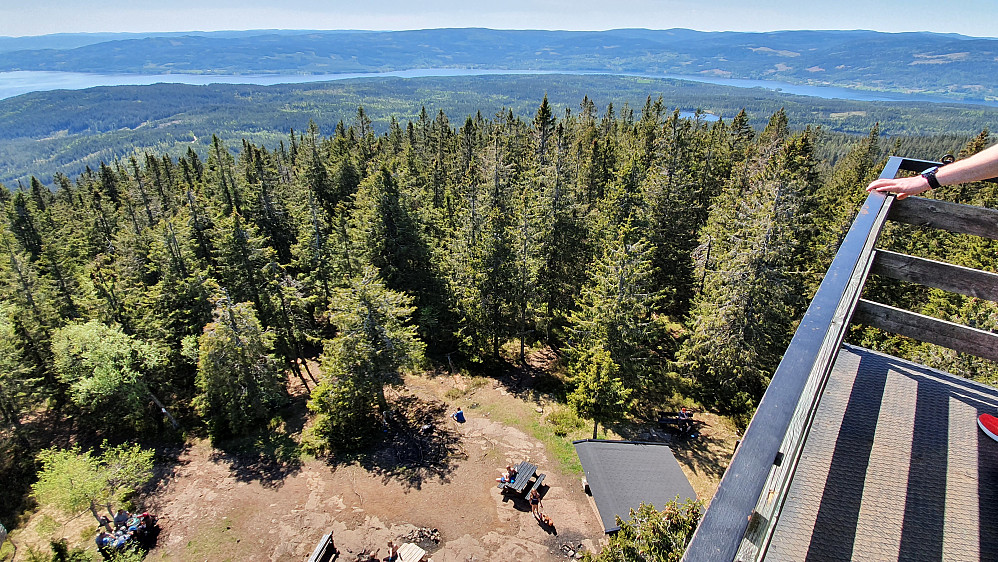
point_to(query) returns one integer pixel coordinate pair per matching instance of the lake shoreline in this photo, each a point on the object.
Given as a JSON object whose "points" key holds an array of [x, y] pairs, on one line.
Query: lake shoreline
{"points": [[17, 83]]}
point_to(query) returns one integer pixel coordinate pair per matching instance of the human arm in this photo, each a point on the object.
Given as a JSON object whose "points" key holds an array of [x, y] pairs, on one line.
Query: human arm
{"points": [[980, 166]]}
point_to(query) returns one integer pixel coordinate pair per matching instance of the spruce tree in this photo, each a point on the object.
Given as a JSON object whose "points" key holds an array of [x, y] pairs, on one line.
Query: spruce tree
{"points": [[763, 229], [238, 379], [374, 345]]}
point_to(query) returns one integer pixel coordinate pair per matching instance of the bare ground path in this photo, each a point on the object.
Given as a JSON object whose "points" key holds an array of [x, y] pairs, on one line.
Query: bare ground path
{"points": [[264, 503], [209, 511]]}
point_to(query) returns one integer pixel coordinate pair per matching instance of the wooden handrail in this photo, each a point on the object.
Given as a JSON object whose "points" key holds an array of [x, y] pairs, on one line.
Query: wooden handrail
{"points": [[951, 335]]}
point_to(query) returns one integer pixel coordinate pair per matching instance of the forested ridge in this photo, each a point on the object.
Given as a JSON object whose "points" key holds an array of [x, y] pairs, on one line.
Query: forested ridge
{"points": [[659, 256], [45, 133], [946, 65]]}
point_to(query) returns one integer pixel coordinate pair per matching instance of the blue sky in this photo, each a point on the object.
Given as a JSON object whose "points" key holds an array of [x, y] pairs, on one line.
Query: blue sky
{"points": [[38, 17]]}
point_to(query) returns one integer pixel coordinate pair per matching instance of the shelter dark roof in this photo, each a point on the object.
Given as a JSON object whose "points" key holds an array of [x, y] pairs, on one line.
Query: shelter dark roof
{"points": [[624, 474], [894, 468]]}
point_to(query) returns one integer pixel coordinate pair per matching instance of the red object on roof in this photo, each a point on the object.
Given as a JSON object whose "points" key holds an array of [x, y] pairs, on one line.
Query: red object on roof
{"points": [[989, 424]]}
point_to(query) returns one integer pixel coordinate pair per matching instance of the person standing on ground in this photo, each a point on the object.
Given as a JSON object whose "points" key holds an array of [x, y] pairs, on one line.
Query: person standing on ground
{"points": [[535, 504], [980, 166]]}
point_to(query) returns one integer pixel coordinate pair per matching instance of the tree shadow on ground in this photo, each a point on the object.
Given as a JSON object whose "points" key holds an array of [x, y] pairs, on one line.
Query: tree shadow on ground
{"points": [[417, 445], [168, 461], [270, 455], [535, 378], [519, 501], [707, 455]]}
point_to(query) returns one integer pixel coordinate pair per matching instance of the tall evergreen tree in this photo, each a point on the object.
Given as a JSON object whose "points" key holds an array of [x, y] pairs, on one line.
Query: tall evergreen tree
{"points": [[374, 345], [238, 380], [763, 230], [615, 308]]}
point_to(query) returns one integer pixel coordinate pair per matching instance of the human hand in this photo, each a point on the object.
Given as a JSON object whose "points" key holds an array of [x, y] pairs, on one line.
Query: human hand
{"points": [[902, 186]]}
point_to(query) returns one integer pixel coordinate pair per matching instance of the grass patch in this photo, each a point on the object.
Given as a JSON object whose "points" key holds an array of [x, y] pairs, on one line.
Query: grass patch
{"points": [[47, 526], [214, 539], [565, 421], [471, 385], [522, 416]]}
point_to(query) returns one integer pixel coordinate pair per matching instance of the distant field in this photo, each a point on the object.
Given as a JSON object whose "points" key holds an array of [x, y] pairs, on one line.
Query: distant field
{"points": [[64, 131]]}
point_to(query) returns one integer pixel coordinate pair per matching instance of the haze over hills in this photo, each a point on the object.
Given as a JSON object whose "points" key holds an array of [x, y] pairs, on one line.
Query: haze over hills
{"points": [[927, 63]]}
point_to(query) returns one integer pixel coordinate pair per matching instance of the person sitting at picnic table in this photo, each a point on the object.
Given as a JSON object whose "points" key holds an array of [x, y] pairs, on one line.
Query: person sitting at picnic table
{"points": [[508, 475], [104, 540], [535, 504], [393, 551], [121, 518], [685, 422], [120, 538]]}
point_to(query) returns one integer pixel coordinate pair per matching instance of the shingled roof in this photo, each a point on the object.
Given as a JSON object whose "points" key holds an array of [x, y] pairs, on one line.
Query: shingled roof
{"points": [[624, 474]]}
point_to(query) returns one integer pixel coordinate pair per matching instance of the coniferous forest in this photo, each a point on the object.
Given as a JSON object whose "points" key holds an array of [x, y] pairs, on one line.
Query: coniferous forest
{"points": [[658, 256]]}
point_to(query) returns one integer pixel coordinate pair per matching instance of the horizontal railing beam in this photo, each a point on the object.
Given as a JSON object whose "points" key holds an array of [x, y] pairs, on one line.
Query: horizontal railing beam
{"points": [[939, 275], [923, 328], [952, 217]]}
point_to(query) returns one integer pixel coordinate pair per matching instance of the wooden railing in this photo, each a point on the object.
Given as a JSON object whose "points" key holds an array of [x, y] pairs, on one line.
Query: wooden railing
{"points": [[746, 507], [961, 219]]}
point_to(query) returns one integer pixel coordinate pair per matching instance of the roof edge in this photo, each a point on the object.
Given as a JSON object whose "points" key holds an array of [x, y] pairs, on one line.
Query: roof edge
{"points": [[621, 442]]}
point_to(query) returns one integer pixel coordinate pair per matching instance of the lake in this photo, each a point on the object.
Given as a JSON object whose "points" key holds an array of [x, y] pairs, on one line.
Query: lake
{"points": [[23, 82]]}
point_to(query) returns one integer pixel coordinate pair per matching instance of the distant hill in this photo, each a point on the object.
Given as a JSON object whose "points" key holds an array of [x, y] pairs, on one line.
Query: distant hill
{"points": [[928, 63], [63, 131]]}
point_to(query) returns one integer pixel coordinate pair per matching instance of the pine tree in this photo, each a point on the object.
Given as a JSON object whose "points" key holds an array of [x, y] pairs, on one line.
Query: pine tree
{"points": [[763, 231], [615, 308], [599, 395], [687, 171], [387, 236]]}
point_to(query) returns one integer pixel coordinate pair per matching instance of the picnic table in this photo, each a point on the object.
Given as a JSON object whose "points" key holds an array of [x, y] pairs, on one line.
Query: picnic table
{"points": [[677, 420], [524, 472], [325, 550]]}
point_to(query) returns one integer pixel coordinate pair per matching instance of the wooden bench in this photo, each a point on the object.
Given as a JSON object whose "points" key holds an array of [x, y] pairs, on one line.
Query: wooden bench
{"points": [[537, 484], [325, 551]]}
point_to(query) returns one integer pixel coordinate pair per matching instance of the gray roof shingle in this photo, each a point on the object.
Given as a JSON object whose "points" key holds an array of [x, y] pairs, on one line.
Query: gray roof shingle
{"points": [[623, 474], [894, 468]]}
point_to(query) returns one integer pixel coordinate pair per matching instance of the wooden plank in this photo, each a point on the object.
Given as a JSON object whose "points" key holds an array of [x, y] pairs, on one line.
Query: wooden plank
{"points": [[927, 329], [953, 217], [409, 552], [537, 484], [940, 275]]}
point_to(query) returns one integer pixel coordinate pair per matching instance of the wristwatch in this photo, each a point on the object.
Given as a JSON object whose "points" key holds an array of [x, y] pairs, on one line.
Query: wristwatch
{"points": [[930, 176]]}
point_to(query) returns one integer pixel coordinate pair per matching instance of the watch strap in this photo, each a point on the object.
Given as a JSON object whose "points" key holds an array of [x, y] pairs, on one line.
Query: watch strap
{"points": [[930, 176]]}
